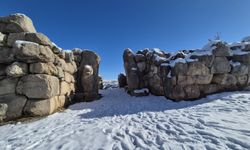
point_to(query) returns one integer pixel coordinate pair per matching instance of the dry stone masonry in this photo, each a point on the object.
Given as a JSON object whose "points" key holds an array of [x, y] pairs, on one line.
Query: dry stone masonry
{"points": [[189, 74], [37, 77]]}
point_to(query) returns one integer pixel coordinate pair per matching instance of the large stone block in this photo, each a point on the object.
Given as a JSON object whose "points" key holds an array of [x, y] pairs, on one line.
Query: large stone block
{"points": [[39, 38], [43, 68], [220, 65], [41, 107], [65, 88], [8, 85], [17, 69], [2, 39], [16, 23], [245, 58], [221, 50], [192, 91], [225, 79], [179, 69], [3, 111], [197, 68], [31, 52], [210, 89], [240, 69], [6, 55], [15, 105], [39, 86], [122, 80], [2, 69], [13, 37]]}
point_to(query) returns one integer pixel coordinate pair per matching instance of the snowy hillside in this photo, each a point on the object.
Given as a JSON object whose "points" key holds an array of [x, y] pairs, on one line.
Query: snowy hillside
{"points": [[118, 121]]}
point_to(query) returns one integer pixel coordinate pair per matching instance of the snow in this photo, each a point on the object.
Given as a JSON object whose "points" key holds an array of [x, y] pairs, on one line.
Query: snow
{"points": [[119, 121], [234, 64], [134, 69], [141, 90], [54, 44], [21, 42], [246, 39]]}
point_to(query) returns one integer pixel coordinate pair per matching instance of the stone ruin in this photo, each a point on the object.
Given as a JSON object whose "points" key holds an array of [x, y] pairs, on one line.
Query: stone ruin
{"points": [[188, 74], [38, 78]]}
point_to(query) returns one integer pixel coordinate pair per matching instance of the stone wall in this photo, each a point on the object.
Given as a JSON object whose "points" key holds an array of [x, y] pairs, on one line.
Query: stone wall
{"points": [[36, 77], [189, 74]]}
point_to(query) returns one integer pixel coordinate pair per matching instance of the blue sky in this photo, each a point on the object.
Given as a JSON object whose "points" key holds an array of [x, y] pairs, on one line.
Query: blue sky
{"points": [[110, 26]]}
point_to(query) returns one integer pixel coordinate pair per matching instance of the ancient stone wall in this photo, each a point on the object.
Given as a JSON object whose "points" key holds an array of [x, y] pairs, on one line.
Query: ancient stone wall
{"points": [[189, 74], [36, 77]]}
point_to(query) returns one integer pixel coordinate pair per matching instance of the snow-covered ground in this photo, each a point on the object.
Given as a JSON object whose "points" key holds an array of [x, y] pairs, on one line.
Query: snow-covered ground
{"points": [[118, 121]]}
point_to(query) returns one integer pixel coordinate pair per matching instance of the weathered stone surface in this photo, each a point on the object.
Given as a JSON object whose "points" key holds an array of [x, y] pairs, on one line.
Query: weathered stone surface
{"points": [[155, 86], [41, 107], [225, 79], [87, 75], [39, 86], [221, 50], [15, 105], [65, 88], [205, 59], [6, 55], [8, 86], [17, 69], [141, 66], [101, 86], [203, 79], [131, 70], [69, 57], [68, 67], [179, 69], [38, 38], [43, 68], [68, 78], [177, 93], [140, 58], [2, 69], [16, 23], [13, 37], [240, 69], [242, 80], [197, 68], [210, 88], [60, 73], [3, 111], [31, 52], [220, 65], [192, 91], [122, 80], [185, 80], [245, 59]]}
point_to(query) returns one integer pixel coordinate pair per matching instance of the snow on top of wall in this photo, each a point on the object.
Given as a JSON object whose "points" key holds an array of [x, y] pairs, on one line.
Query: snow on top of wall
{"points": [[234, 64], [246, 39], [54, 44]]}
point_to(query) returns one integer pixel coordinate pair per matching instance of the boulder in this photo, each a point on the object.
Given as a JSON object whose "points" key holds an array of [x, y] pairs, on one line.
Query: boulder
{"points": [[203, 79], [205, 59], [225, 79], [2, 39], [177, 93], [31, 52], [239, 69], [245, 58], [122, 80], [65, 88], [140, 58], [39, 38], [17, 69], [179, 69], [185, 80], [155, 85], [2, 69], [131, 70], [241, 80], [210, 89], [197, 68], [220, 65], [15, 105], [68, 78], [221, 50], [13, 37], [3, 111], [141, 66], [16, 23], [6, 55], [41, 107], [8, 85], [43, 68], [192, 91], [69, 57], [39, 86]]}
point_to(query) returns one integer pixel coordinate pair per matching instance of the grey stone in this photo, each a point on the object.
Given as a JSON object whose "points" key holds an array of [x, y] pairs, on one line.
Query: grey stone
{"points": [[17, 69], [16, 23], [38, 38], [13, 37], [8, 85], [3, 111], [122, 80], [220, 66], [39, 86], [6, 55], [43, 68], [197, 68]]}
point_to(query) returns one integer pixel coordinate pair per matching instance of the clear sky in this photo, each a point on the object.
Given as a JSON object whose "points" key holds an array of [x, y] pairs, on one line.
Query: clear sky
{"points": [[110, 26]]}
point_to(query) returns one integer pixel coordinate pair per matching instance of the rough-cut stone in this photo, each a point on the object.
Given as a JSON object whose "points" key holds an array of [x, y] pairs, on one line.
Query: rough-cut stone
{"points": [[177, 93], [225, 79], [179, 69], [221, 50], [65, 88], [140, 58], [69, 57], [141, 66], [38, 86], [8, 85], [13, 37], [43, 68], [41, 107], [210, 88], [240, 69], [87, 75], [2, 69], [31, 52], [38, 38], [203, 79], [3, 111], [122, 80], [131, 70], [17, 69], [155, 86], [242, 80], [2, 39], [16, 23], [245, 59], [185, 80], [60, 73], [15, 105], [205, 59], [6, 55], [197, 68], [101, 86], [192, 91], [220, 65], [68, 77]]}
